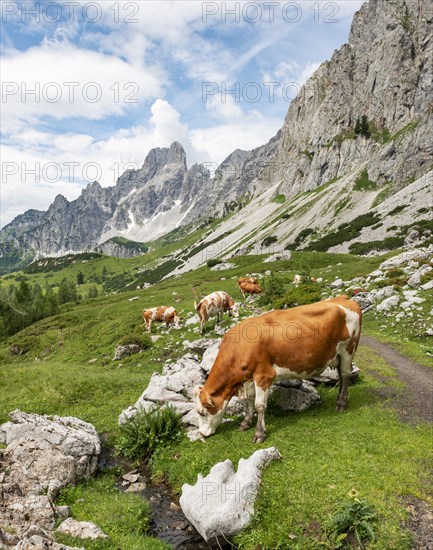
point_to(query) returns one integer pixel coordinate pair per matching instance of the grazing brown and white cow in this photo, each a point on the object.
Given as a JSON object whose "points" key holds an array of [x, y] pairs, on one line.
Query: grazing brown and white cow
{"points": [[215, 304], [248, 289], [160, 314], [297, 343], [251, 280]]}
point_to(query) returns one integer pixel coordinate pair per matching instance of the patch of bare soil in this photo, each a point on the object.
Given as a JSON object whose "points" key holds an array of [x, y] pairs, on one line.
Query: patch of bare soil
{"points": [[414, 404], [420, 523]]}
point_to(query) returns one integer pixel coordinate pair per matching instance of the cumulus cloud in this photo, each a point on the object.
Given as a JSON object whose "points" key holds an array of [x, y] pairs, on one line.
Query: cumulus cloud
{"points": [[60, 80]]}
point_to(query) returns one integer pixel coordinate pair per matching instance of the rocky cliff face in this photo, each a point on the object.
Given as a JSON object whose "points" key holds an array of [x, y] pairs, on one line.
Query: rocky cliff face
{"points": [[365, 117], [385, 74]]}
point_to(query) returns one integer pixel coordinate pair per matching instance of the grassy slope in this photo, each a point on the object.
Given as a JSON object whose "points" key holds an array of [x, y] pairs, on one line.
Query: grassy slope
{"points": [[325, 455]]}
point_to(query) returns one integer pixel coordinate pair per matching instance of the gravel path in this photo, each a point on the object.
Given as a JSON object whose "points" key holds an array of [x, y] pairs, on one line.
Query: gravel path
{"points": [[415, 403]]}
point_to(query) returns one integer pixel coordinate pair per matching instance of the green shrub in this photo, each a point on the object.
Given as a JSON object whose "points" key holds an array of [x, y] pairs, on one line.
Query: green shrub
{"points": [[267, 241], [280, 199], [394, 272], [213, 261], [390, 243], [273, 287], [357, 518], [299, 239], [344, 232], [141, 339], [305, 293], [427, 277], [397, 209], [146, 432]]}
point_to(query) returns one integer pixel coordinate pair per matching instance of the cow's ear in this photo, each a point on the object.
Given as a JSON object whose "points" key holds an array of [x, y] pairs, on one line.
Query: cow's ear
{"points": [[197, 390]]}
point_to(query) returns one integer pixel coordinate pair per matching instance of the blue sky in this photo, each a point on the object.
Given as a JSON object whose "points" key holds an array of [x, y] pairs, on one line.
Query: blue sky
{"points": [[113, 79]]}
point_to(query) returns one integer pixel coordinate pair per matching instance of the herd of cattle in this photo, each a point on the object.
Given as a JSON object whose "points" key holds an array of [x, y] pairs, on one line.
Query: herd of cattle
{"points": [[298, 343], [213, 305]]}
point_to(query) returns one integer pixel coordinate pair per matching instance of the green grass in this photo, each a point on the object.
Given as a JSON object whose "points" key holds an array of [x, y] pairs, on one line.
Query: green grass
{"points": [[363, 183], [325, 457], [124, 517], [280, 199]]}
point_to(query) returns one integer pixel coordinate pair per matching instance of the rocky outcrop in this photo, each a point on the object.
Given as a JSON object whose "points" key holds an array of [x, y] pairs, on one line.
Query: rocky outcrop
{"points": [[43, 455], [222, 503], [121, 248]]}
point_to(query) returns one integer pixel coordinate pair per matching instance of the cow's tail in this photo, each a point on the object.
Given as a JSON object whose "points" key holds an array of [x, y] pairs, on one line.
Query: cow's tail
{"points": [[196, 305]]}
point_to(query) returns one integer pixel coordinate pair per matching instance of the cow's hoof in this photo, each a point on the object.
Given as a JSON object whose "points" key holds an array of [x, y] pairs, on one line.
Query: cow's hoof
{"points": [[244, 426], [259, 438], [340, 408]]}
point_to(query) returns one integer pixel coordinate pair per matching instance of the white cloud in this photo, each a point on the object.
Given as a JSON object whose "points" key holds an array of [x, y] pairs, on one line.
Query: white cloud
{"points": [[70, 81]]}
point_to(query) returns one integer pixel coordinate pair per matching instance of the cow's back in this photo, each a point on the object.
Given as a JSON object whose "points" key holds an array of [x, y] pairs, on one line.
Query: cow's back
{"points": [[301, 339]]}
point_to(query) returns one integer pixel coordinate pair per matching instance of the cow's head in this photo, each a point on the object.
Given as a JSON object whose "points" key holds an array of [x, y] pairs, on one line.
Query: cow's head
{"points": [[234, 310], [209, 416], [176, 321]]}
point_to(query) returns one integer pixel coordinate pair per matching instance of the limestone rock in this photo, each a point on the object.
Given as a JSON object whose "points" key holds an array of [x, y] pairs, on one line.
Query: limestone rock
{"points": [[294, 399], [222, 266], [201, 345], [388, 303], [330, 376], [124, 351], [210, 355], [81, 529], [48, 452], [338, 283], [44, 454], [415, 280], [222, 503]]}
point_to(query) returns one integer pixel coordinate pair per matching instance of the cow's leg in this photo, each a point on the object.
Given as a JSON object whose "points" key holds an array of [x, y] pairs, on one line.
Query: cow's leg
{"points": [[344, 369], [250, 396], [260, 406], [149, 325], [201, 325]]}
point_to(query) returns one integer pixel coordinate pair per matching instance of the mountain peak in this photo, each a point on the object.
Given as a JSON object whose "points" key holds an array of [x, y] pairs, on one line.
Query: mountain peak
{"points": [[158, 157]]}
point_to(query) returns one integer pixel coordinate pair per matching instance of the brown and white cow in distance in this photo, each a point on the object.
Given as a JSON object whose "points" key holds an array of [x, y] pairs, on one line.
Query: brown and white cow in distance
{"points": [[161, 314], [297, 343], [248, 289], [252, 280], [215, 304]]}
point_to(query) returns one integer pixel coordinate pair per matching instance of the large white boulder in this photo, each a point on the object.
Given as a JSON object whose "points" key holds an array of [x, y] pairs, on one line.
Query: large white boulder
{"points": [[44, 454], [48, 453], [222, 503], [415, 280], [389, 303]]}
